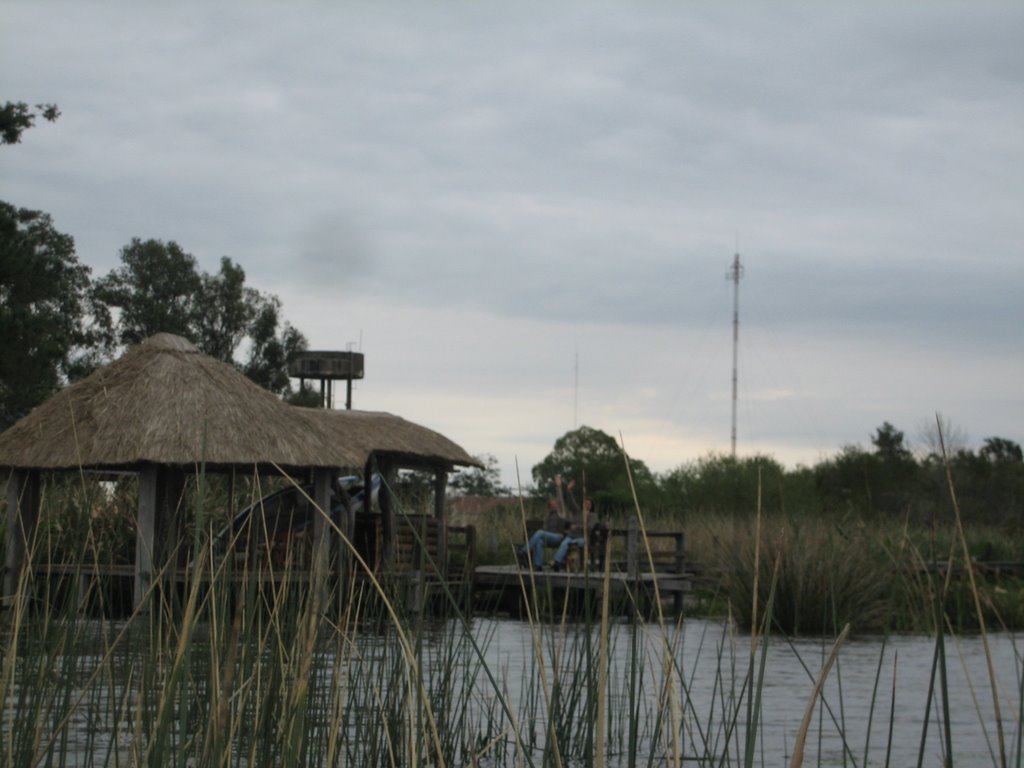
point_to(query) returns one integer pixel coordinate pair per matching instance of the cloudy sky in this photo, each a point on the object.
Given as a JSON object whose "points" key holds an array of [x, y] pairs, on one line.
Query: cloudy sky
{"points": [[524, 216]]}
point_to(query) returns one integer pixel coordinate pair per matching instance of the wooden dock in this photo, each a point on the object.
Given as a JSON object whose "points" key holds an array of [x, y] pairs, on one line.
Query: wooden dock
{"points": [[508, 588], [642, 575], [644, 572]]}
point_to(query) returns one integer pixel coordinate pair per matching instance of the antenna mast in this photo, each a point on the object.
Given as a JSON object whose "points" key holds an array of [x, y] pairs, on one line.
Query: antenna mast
{"points": [[576, 390], [735, 273]]}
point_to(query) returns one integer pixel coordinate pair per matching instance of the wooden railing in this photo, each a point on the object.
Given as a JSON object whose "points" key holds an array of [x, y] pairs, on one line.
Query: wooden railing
{"points": [[663, 552], [421, 543], [629, 553]]}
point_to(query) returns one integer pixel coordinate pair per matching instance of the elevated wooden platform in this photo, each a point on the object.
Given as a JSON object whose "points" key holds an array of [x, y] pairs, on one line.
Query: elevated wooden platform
{"points": [[429, 564], [509, 587]]}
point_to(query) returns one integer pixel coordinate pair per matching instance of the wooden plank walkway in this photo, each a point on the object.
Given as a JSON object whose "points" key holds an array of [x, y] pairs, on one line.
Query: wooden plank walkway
{"points": [[507, 584]]}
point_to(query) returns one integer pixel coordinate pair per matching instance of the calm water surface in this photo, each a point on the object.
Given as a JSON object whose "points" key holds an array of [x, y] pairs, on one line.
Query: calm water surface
{"points": [[878, 711], [882, 680]]}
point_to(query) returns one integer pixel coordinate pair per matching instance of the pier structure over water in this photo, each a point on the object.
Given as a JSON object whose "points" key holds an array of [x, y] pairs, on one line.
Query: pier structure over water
{"points": [[169, 415]]}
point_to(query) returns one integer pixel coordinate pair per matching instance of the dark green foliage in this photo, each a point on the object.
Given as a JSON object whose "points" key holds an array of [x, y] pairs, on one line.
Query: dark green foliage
{"points": [[305, 396], [999, 450], [229, 310], [883, 482], [159, 288], [271, 351], [729, 485], [43, 303], [156, 290], [989, 484], [595, 461], [477, 481], [18, 117]]}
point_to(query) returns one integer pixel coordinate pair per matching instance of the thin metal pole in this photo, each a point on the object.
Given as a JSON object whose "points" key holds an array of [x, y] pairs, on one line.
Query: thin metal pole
{"points": [[576, 390], [734, 274]]}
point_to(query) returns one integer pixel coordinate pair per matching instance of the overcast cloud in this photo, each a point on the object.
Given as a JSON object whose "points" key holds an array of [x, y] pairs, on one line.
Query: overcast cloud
{"points": [[524, 216]]}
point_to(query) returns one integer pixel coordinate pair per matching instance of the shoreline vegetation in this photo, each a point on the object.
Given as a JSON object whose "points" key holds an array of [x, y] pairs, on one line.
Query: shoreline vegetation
{"points": [[229, 673]]}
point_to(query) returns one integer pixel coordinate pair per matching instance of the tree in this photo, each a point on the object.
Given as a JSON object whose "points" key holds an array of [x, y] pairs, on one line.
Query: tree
{"points": [[18, 117], [888, 442], [594, 460], [270, 351], [229, 307], [999, 450], [43, 302], [886, 481], [723, 484], [159, 288], [476, 481]]}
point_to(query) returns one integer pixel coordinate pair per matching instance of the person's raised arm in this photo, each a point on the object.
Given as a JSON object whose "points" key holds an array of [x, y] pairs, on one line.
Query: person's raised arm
{"points": [[570, 499], [559, 496]]}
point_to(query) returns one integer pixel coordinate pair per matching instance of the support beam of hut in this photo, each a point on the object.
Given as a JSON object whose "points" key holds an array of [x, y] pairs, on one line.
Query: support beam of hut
{"points": [[386, 500], [321, 528], [322, 535], [440, 489], [170, 512], [145, 535], [22, 516]]}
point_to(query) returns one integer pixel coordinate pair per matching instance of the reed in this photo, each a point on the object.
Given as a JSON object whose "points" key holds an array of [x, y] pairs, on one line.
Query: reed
{"points": [[246, 665]]}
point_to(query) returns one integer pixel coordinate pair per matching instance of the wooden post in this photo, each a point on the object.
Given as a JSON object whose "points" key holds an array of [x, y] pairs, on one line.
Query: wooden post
{"points": [[387, 511], [321, 528], [346, 522], [169, 510], [22, 517], [145, 535], [440, 488], [633, 549], [321, 532]]}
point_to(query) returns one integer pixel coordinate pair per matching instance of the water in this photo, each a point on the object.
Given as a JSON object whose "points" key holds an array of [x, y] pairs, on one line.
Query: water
{"points": [[675, 692], [884, 681]]}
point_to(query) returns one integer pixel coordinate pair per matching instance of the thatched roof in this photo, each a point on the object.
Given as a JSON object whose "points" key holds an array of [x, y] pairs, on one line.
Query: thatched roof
{"points": [[387, 434], [164, 402]]}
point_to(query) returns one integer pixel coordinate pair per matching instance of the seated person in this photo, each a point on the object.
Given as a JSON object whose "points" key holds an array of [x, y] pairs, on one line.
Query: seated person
{"points": [[550, 535], [570, 540], [574, 527]]}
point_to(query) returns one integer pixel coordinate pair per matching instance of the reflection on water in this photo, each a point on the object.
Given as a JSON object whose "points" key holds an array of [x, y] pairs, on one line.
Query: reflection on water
{"points": [[507, 686]]}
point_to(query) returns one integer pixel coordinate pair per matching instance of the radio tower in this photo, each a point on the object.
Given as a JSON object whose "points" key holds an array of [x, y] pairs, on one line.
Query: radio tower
{"points": [[735, 273]]}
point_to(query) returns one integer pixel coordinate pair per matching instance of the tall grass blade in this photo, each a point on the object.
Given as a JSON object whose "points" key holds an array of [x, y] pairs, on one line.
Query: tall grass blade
{"points": [[874, 699], [969, 567], [801, 736]]}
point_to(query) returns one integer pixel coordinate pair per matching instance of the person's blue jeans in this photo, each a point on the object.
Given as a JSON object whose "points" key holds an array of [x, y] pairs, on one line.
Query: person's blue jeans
{"points": [[563, 548], [538, 541]]}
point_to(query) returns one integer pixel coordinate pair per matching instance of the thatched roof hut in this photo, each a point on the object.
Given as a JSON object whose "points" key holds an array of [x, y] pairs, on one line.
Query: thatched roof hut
{"points": [[166, 403], [164, 408], [383, 434]]}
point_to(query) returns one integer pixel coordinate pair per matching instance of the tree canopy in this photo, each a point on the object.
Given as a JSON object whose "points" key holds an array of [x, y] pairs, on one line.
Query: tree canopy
{"points": [[885, 482], [43, 301], [17, 117], [476, 481], [160, 288], [596, 462]]}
